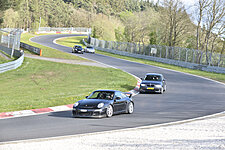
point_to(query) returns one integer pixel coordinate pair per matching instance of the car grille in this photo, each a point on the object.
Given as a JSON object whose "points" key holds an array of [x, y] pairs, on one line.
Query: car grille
{"points": [[85, 113], [150, 85]]}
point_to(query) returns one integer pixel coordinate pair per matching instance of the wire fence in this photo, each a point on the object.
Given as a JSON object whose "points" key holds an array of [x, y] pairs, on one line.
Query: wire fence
{"points": [[174, 53], [10, 45], [10, 39]]}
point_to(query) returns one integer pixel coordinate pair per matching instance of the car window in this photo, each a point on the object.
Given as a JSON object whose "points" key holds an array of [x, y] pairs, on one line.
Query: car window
{"points": [[118, 94], [123, 95], [107, 95], [153, 78]]}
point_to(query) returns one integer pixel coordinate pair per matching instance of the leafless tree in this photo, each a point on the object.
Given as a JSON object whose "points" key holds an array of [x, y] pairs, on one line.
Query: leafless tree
{"points": [[213, 22], [201, 8], [175, 18]]}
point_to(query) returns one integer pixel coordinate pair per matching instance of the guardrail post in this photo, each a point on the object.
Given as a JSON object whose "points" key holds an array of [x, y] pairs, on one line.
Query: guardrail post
{"points": [[166, 51], [179, 53], [193, 56]]}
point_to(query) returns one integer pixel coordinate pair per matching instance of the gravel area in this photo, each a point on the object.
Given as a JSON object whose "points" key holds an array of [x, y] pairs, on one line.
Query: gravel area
{"points": [[208, 134], [68, 61]]}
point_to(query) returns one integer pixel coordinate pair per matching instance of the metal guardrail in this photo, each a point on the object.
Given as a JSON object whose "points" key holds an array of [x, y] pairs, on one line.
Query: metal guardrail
{"points": [[33, 49], [12, 65], [78, 30]]}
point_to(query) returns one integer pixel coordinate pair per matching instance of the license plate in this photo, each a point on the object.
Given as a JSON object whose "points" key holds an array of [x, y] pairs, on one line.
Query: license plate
{"points": [[83, 110], [150, 88]]}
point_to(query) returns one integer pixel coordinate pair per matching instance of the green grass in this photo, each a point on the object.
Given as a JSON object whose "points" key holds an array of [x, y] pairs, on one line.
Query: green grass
{"points": [[214, 76], [48, 52], [71, 41], [3, 59], [40, 84]]}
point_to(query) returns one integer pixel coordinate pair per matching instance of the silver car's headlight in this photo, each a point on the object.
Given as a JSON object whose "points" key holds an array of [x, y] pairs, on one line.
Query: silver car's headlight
{"points": [[143, 84], [100, 105], [76, 104], [158, 86]]}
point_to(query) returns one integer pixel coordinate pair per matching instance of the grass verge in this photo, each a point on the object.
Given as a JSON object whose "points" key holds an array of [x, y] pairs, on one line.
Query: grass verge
{"points": [[48, 52], [41, 84], [71, 41], [210, 75], [3, 59]]}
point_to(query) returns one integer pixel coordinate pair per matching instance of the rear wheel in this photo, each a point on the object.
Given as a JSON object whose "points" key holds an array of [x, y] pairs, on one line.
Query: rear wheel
{"points": [[130, 108], [109, 111]]}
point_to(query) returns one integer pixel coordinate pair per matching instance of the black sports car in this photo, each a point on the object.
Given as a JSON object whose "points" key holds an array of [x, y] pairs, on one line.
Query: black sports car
{"points": [[77, 49], [153, 82], [104, 103]]}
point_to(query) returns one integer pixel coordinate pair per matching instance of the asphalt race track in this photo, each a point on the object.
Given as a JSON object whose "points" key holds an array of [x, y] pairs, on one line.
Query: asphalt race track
{"points": [[186, 97]]}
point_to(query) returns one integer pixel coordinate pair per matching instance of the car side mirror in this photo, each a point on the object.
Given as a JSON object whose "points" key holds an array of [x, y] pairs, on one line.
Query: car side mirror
{"points": [[141, 78], [86, 96]]}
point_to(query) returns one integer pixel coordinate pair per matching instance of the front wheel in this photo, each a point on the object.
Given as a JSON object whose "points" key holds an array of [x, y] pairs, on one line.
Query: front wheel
{"points": [[130, 108], [109, 111], [162, 90], [165, 88]]}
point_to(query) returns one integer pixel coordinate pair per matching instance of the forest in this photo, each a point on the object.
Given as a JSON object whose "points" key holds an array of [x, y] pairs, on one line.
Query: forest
{"points": [[166, 22]]}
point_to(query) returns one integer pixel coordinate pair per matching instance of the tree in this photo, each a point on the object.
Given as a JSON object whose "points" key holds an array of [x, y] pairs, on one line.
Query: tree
{"points": [[201, 9], [215, 17], [6, 4], [175, 21], [10, 18]]}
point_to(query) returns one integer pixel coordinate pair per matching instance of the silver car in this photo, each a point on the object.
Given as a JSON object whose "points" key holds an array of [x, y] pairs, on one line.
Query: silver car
{"points": [[153, 82], [90, 49]]}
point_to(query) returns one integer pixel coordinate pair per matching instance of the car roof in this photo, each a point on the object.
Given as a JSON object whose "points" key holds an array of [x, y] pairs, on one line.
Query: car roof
{"points": [[106, 91], [154, 74]]}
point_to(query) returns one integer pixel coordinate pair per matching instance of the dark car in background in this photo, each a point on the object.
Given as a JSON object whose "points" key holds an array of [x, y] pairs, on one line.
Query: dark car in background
{"points": [[77, 49], [104, 103], [153, 82]]}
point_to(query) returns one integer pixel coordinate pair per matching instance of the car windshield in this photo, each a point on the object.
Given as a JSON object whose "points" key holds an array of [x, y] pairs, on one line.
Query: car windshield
{"points": [[153, 78], [107, 95], [80, 47], [89, 47]]}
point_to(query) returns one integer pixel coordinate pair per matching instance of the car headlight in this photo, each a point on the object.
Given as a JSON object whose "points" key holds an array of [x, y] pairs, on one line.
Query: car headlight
{"points": [[143, 84], [100, 105], [158, 86], [76, 104]]}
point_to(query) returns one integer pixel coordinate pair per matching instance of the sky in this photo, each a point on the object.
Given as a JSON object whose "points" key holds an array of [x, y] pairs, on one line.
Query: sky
{"points": [[187, 3]]}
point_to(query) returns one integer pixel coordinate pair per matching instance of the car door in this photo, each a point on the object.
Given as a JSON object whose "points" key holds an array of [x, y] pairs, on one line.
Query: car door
{"points": [[119, 102]]}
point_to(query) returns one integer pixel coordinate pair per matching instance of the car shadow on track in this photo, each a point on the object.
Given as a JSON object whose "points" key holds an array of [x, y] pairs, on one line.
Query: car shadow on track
{"points": [[63, 114], [67, 114]]}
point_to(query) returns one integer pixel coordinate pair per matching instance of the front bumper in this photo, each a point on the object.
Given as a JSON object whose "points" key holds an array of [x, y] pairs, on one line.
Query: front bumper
{"points": [[150, 89], [90, 51], [86, 113]]}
